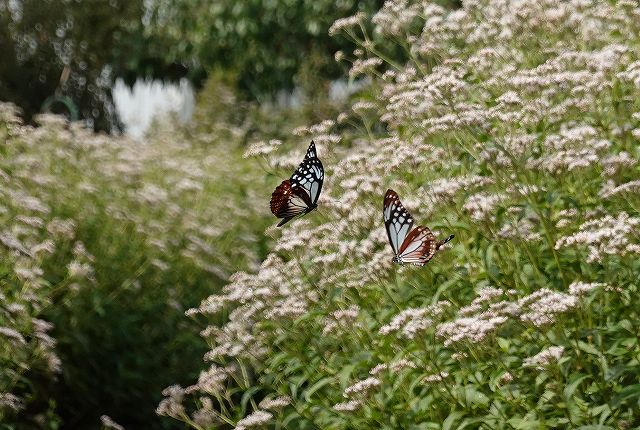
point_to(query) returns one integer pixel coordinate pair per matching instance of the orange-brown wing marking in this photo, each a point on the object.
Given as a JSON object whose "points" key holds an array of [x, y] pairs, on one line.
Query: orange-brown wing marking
{"points": [[288, 201], [280, 198], [419, 246]]}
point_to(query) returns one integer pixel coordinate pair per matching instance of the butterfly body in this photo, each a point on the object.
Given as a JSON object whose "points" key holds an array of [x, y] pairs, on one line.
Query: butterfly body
{"points": [[299, 194], [410, 245]]}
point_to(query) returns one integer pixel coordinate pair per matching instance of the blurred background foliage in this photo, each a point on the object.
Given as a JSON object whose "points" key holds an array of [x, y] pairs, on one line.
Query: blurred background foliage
{"points": [[135, 234], [264, 43], [68, 48], [73, 50]]}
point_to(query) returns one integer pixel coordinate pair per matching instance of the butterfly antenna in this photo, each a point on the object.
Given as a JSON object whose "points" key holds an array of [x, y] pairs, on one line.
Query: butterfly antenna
{"points": [[442, 242]]}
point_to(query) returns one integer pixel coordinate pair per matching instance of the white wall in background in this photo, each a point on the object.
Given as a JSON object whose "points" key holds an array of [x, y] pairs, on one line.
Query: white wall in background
{"points": [[340, 89], [138, 106]]}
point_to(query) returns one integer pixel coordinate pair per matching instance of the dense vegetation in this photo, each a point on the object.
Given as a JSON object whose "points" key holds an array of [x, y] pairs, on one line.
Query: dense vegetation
{"points": [[514, 126], [111, 240], [267, 45]]}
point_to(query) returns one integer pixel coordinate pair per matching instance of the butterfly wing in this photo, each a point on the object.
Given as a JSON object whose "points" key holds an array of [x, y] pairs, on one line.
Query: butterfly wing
{"points": [[309, 175], [311, 151], [299, 194], [397, 220], [418, 247], [288, 201]]}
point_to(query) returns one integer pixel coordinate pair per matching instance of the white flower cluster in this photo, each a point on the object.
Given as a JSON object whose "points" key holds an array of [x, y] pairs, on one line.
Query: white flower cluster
{"points": [[255, 419], [488, 312], [342, 318], [262, 148], [349, 406], [361, 388], [579, 288], [545, 357], [410, 322], [472, 329], [393, 367], [436, 377], [275, 403], [609, 235], [347, 23]]}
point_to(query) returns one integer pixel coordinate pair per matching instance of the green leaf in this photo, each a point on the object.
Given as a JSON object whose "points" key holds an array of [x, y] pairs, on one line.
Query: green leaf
{"points": [[546, 396], [604, 411], [503, 343], [345, 374], [628, 393], [451, 420], [421, 404], [470, 421], [315, 387], [475, 397], [595, 427], [588, 348], [541, 378], [247, 396], [573, 385], [524, 423], [290, 417], [425, 426], [616, 371], [626, 324]]}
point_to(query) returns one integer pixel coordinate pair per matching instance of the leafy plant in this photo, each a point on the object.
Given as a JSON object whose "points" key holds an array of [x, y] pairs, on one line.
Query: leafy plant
{"points": [[266, 44], [109, 241], [515, 127]]}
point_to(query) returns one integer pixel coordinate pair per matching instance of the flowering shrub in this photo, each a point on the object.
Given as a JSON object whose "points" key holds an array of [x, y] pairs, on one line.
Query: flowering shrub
{"points": [[513, 125], [104, 243], [27, 349]]}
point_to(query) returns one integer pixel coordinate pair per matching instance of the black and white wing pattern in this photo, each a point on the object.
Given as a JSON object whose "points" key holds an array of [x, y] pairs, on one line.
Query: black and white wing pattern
{"points": [[413, 246], [310, 174], [397, 220], [299, 194]]}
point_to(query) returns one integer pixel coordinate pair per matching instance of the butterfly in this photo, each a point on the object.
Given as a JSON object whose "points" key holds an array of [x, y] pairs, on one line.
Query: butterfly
{"points": [[414, 246], [299, 194]]}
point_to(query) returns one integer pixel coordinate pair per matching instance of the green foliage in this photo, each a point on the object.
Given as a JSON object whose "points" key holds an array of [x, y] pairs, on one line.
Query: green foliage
{"points": [[265, 43], [67, 53], [119, 239], [516, 129]]}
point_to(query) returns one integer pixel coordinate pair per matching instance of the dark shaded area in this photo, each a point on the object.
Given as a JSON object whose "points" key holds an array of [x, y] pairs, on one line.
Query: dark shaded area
{"points": [[69, 52], [123, 338], [71, 49]]}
